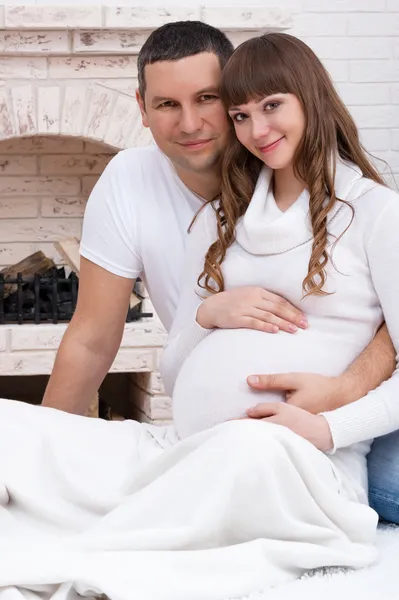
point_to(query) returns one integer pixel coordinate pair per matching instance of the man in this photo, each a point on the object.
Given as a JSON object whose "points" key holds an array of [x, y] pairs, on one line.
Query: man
{"points": [[136, 223]]}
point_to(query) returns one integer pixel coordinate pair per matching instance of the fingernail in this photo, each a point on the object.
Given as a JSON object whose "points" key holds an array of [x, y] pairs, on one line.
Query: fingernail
{"points": [[303, 323], [254, 379], [292, 327]]}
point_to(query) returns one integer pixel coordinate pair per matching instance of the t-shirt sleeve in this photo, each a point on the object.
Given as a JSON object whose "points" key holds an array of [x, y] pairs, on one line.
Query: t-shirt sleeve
{"points": [[110, 224], [377, 413], [186, 333]]}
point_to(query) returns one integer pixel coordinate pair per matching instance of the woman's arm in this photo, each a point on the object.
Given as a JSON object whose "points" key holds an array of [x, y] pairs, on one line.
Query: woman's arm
{"points": [[185, 332], [377, 413]]}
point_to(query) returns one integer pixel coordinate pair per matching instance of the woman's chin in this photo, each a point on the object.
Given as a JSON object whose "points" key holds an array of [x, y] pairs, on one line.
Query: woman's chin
{"points": [[276, 163]]}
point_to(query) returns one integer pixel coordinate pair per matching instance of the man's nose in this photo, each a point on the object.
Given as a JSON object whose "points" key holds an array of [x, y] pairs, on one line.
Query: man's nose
{"points": [[190, 120]]}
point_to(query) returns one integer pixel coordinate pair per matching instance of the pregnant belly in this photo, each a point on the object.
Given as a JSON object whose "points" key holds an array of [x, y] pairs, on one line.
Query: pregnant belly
{"points": [[211, 386]]}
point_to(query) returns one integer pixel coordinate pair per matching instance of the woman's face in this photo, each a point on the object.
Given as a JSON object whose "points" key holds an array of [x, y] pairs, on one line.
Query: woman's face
{"points": [[271, 129]]}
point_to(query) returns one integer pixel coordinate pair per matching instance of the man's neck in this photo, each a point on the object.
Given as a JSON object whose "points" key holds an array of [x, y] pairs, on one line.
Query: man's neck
{"points": [[206, 184]]}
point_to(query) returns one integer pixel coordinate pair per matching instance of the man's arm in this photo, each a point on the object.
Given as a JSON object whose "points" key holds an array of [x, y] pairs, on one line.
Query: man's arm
{"points": [[91, 340], [317, 393], [374, 365]]}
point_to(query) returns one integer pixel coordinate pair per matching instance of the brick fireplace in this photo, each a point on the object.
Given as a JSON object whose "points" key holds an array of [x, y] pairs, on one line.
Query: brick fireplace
{"points": [[67, 106]]}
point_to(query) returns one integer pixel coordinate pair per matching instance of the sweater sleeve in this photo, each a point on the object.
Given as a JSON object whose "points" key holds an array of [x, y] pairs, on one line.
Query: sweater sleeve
{"points": [[377, 413], [185, 332]]}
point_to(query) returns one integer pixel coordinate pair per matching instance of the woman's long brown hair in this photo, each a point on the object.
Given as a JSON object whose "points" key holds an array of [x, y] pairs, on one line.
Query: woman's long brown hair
{"points": [[280, 63]]}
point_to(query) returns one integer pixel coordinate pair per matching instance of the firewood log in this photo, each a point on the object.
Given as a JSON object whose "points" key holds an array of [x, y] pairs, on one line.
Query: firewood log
{"points": [[28, 267]]}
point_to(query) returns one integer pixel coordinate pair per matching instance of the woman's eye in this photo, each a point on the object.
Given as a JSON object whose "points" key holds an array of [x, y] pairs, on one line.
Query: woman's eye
{"points": [[271, 105], [238, 117]]}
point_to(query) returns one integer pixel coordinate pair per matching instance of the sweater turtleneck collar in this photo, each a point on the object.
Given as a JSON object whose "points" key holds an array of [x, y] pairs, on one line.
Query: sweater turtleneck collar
{"points": [[265, 229]]}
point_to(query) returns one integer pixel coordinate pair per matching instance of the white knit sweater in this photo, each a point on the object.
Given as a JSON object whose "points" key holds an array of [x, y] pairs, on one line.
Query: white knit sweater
{"points": [[207, 369]]}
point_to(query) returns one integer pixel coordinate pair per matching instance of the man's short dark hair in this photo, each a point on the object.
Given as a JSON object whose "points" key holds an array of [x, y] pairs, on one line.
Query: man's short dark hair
{"points": [[174, 41]]}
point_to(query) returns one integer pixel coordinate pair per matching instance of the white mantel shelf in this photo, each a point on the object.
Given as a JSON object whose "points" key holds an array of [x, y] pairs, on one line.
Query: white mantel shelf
{"points": [[231, 18], [30, 349]]}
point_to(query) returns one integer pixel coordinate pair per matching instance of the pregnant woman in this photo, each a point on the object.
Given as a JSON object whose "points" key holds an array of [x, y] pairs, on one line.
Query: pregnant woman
{"points": [[302, 213], [220, 506]]}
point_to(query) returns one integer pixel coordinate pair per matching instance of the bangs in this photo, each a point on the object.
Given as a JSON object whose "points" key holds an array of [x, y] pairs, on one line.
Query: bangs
{"points": [[255, 70]]}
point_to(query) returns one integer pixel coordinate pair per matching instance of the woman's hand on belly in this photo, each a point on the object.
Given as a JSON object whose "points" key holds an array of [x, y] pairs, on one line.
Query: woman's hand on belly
{"points": [[250, 308], [313, 428]]}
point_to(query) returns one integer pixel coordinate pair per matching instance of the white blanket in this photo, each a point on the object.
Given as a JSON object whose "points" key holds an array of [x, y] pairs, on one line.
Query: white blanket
{"points": [[125, 509]]}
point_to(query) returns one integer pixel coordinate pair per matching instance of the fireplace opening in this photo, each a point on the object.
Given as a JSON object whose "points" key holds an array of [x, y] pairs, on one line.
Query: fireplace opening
{"points": [[50, 297], [45, 182], [117, 394]]}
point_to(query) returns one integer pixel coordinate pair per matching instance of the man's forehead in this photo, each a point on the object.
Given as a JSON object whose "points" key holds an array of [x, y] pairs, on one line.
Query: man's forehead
{"points": [[192, 74]]}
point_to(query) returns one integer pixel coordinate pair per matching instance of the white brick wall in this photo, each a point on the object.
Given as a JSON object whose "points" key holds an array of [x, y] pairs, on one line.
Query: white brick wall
{"points": [[358, 40], [44, 184]]}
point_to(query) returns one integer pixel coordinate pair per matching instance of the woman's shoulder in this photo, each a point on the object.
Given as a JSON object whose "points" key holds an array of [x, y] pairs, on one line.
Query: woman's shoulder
{"points": [[371, 204], [373, 197], [356, 189], [376, 211]]}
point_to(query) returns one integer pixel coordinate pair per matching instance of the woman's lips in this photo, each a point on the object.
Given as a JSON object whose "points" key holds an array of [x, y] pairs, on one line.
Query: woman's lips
{"points": [[270, 147]]}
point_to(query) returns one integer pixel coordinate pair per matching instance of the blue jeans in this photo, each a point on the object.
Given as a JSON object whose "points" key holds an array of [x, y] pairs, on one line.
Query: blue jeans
{"points": [[383, 469]]}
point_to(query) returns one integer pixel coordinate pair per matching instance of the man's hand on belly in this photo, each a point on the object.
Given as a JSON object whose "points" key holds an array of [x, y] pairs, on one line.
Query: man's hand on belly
{"points": [[313, 428], [312, 392]]}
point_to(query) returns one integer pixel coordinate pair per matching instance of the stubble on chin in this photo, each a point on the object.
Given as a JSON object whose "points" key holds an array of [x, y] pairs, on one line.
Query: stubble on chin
{"points": [[201, 164]]}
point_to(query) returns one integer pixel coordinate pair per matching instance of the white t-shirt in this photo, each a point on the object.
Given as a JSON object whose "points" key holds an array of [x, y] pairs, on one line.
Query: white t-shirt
{"points": [[136, 223]]}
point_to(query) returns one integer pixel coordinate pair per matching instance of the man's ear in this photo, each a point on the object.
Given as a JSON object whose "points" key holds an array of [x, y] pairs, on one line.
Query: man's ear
{"points": [[140, 102]]}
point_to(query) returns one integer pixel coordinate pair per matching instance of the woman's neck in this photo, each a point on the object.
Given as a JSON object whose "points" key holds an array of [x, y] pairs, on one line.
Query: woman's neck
{"points": [[286, 188]]}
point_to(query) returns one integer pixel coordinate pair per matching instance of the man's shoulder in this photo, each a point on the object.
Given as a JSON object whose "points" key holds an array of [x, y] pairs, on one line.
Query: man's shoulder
{"points": [[138, 177], [141, 171], [134, 160]]}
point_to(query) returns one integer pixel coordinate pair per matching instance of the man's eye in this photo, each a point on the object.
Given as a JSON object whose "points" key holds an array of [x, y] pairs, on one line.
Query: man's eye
{"points": [[167, 104], [208, 97]]}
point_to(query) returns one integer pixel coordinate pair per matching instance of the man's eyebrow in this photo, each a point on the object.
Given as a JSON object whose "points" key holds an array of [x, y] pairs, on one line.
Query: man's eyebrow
{"points": [[208, 90]]}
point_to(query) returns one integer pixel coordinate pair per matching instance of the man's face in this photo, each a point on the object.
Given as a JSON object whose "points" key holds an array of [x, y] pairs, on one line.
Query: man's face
{"points": [[184, 112]]}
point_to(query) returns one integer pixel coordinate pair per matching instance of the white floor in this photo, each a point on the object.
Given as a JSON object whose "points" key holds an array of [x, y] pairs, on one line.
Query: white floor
{"points": [[379, 581]]}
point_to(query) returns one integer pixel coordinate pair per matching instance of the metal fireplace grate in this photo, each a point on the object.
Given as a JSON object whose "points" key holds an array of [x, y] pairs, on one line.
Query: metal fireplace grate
{"points": [[47, 298]]}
